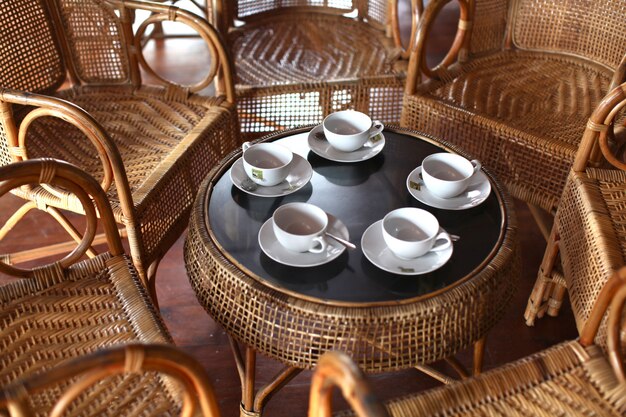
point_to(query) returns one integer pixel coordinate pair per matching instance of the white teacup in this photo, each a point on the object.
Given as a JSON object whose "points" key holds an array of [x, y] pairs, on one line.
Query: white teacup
{"points": [[348, 130], [447, 175], [266, 163], [410, 232], [300, 227]]}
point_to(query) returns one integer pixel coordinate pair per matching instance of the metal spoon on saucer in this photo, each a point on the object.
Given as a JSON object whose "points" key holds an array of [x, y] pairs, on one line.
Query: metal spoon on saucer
{"points": [[344, 242]]}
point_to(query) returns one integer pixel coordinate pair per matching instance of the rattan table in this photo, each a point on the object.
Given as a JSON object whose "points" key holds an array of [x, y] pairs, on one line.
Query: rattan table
{"points": [[383, 320]]}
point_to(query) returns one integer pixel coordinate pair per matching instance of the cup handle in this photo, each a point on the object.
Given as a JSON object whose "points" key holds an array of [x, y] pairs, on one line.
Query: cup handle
{"points": [[377, 127], [477, 165], [319, 248], [245, 146], [447, 242]]}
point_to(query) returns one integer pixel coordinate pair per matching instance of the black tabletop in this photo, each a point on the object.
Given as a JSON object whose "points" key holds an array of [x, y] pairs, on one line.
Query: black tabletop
{"points": [[358, 194]]}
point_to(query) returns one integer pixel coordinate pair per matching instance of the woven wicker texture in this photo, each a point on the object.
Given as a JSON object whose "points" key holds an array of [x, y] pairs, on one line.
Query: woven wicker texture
{"points": [[155, 136], [293, 70], [522, 111], [523, 117], [28, 44], [168, 138], [379, 338], [563, 380], [99, 303], [587, 237], [66, 309], [592, 229]]}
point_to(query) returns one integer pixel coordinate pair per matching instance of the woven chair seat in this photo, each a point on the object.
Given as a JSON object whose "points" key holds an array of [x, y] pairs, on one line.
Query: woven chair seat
{"points": [[157, 137], [100, 302], [566, 379], [309, 48], [522, 113], [592, 229], [145, 124]]}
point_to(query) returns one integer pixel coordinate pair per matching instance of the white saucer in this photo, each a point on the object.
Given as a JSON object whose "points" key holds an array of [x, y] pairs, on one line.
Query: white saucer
{"points": [[272, 248], [299, 176], [476, 193], [322, 147], [375, 249]]}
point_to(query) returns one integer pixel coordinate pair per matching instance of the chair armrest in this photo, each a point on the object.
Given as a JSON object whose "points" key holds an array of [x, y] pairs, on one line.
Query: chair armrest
{"points": [[73, 181], [51, 106], [417, 8], [458, 49], [600, 129], [133, 358], [336, 368], [220, 67]]}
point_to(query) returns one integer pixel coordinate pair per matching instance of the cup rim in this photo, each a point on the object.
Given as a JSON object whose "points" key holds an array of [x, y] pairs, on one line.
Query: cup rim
{"points": [[437, 156], [367, 120], [309, 206], [258, 146], [417, 211]]}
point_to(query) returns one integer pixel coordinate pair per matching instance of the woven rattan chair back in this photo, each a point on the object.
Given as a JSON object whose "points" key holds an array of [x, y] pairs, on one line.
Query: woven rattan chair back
{"points": [[518, 85], [588, 239], [297, 61], [572, 27], [73, 306], [573, 378], [73, 90], [30, 52], [88, 372]]}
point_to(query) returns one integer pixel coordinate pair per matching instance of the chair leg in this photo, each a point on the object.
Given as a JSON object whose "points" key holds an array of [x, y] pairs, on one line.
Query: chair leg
{"points": [[557, 294], [151, 281], [69, 228], [543, 219], [537, 305], [16, 217]]}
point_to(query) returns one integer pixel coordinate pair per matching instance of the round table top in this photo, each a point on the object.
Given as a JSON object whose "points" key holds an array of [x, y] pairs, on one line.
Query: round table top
{"points": [[358, 194], [385, 321]]}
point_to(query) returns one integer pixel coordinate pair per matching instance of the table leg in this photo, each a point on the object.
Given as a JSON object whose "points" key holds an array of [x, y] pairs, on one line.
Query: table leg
{"points": [[252, 402], [248, 392]]}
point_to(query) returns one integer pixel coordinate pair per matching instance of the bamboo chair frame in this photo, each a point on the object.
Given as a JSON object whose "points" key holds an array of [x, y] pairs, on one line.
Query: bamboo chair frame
{"points": [[509, 390], [72, 307], [473, 98], [198, 394], [334, 368], [192, 132], [585, 197], [359, 64]]}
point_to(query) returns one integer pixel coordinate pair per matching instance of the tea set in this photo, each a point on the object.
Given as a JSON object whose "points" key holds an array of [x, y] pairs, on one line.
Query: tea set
{"points": [[407, 241]]}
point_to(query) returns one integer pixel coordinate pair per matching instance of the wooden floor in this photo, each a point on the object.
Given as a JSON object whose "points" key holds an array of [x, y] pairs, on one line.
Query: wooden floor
{"points": [[195, 332]]}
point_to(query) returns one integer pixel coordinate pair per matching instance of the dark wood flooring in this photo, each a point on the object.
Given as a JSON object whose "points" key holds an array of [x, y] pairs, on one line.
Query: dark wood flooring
{"points": [[195, 332]]}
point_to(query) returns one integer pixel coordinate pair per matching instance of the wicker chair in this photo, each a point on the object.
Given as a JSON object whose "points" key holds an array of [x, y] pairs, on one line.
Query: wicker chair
{"points": [[517, 86], [101, 371], [588, 239], [72, 307], [297, 61], [149, 145], [573, 378], [98, 368]]}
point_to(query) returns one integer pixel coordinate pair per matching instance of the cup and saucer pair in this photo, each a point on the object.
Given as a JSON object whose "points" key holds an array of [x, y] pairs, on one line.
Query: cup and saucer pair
{"points": [[379, 244], [347, 136], [474, 192], [292, 171], [280, 232]]}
